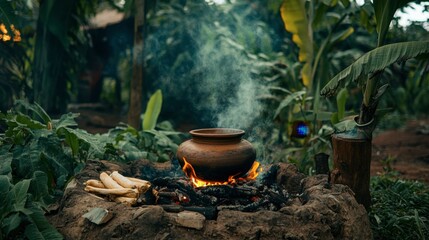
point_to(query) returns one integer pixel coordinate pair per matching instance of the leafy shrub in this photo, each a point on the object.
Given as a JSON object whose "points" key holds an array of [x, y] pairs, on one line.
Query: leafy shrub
{"points": [[35, 166], [39, 155], [156, 145], [400, 209], [21, 211]]}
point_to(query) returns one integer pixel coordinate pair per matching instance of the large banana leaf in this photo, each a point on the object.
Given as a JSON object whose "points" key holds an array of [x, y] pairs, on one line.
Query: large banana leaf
{"points": [[374, 61], [294, 17], [384, 11]]}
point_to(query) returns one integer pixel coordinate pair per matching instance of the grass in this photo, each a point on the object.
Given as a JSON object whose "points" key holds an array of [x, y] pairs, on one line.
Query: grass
{"points": [[400, 209]]}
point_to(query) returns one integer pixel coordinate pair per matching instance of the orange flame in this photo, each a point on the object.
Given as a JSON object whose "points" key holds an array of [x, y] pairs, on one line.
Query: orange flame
{"points": [[197, 182]]}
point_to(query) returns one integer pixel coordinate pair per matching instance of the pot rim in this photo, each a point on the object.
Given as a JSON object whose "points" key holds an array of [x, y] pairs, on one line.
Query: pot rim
{"points": [[217, 132]]}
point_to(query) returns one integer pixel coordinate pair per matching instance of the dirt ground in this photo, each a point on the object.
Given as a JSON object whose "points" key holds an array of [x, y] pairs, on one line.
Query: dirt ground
{"points": [[404, 150]]}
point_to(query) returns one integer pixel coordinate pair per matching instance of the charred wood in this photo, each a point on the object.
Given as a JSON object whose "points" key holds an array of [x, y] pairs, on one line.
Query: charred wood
{"points": [[268, 177]]}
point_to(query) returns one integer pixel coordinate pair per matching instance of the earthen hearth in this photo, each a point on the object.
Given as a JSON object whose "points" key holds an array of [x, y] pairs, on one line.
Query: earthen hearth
{"points": [[313, 209]]}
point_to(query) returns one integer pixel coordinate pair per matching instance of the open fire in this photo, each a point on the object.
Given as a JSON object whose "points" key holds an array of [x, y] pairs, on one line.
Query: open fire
{"points": [[189, 171]]}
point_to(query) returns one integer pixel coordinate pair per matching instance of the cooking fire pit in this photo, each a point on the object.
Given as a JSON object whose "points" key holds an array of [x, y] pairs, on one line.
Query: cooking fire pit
{"points": [[280, 204]]}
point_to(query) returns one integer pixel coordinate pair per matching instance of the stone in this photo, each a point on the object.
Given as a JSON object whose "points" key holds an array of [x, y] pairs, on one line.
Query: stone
{"points": [[98, 215], [190, 219]]}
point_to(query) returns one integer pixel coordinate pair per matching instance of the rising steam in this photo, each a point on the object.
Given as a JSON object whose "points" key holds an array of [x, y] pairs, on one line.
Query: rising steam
{"points": [[230, 90], [211, 77]]}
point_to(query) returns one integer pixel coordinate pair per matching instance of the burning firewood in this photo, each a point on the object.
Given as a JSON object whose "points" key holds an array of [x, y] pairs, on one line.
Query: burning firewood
{"points": [[122, 189]]}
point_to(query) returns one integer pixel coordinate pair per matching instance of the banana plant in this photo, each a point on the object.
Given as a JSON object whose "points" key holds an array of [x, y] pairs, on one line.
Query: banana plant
{"points": [[317, 28], [367, 70], [303, 19]]}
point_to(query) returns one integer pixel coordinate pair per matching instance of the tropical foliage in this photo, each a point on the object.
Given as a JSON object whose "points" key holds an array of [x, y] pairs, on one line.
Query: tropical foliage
{"points": [[254, 64], [40, 155], [367, 70]]}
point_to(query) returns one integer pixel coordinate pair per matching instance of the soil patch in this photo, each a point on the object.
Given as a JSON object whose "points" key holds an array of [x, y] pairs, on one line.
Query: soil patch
{"points": [[404, 150]]}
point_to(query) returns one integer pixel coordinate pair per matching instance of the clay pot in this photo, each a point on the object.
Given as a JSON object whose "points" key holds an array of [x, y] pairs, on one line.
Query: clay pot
{"points": [[217, 153]]}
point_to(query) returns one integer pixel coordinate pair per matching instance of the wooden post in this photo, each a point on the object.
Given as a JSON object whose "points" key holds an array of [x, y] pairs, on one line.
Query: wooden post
{"points": [[136, 86], [352, 162], [322, 163]]}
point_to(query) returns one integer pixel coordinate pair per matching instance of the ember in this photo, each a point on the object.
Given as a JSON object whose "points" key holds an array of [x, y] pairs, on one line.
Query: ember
{"points": [[197, 182]]}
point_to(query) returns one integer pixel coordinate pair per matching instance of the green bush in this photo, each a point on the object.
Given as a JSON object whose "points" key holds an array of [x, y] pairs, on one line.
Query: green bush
{"points": [[39, 155]]}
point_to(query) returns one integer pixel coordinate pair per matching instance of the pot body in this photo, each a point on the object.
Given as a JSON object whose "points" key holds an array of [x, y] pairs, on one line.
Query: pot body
{"points": [[217, 153]]}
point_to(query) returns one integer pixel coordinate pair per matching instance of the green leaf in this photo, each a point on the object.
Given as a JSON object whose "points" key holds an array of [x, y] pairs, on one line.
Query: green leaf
{"points": [[285, 103], [5, 161], [384, 12], [21, 189], [153, 109], [341, 36], [36, 109], [381, 91], [345, 125], [66, 120], [294, 15], [39, 186], [374, 61], [341, 103], [6, 198], [28, 122], [96, 146], [71, 140], [57, 165], [39, 228], [133, 153], [11, 222], [31, 232], [26, 160], [334, 118], [346, 3]]}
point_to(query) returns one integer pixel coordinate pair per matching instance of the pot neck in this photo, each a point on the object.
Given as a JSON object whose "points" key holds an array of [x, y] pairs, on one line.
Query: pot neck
{"points": [[217, 135], [216, 140]]}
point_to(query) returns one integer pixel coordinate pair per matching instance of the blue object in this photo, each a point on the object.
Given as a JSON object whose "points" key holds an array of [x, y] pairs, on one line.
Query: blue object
{"points": [[300, 129]]}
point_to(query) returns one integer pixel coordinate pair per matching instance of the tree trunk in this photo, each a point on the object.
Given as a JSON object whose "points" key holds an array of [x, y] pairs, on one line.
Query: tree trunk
{"points": [[352, 161], [136, 86], [51, 54]]}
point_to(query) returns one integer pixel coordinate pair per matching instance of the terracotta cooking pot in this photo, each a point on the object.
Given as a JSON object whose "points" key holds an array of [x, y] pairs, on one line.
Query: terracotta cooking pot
{"points": [[217, 153]]}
